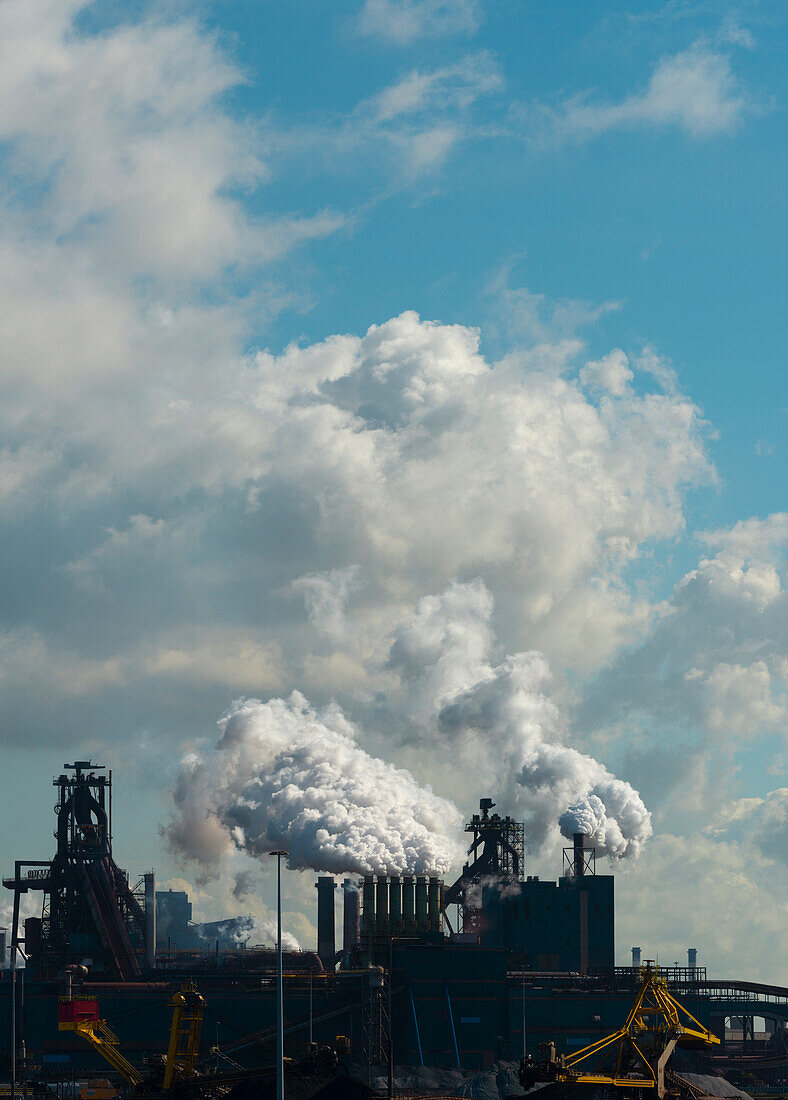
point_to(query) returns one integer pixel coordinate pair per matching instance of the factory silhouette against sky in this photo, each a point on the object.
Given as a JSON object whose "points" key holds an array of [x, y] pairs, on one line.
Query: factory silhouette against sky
{"points": [[465, 974]]}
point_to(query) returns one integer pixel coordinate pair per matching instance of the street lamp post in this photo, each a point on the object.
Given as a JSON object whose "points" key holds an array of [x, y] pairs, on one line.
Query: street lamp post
{"points": [[280, 1014], [525, 1051], [13, 1021], [391, 1025], [311, 1036]]}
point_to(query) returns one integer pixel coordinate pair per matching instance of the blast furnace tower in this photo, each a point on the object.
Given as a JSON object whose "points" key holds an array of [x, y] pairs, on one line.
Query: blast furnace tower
{"points": [[497, 852], [89, 913]]}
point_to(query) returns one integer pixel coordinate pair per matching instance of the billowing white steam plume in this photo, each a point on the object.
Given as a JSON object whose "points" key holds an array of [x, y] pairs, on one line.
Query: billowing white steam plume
{"points": [[502, 715], [287, 776], [608, 810]]}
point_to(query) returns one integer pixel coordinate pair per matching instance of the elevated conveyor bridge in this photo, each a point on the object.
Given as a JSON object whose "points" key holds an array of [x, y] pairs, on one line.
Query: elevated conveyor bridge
{"points": [[739, 998]]}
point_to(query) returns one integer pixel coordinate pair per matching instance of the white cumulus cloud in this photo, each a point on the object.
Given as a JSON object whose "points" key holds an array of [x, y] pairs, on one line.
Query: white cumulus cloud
{"points": [[403, 21], [695, 91]]}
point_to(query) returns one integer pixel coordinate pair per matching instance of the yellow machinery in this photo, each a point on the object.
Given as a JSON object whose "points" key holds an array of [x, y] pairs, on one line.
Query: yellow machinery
{"points": [[635, 1056], [81, 1014], [187, 1009]]}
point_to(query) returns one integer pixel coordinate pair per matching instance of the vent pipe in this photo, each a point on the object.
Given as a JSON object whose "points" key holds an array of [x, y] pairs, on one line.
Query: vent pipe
{"points": [[579, 858], [382, 906], [350, 915], [395, 904], [368, 906], [422, 920], [434, 896], [326, 931], [150, 919], [408, 903]]}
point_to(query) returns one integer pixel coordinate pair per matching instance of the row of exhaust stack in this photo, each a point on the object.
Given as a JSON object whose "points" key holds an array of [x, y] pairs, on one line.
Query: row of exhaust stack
{"points": [[377, 906]]}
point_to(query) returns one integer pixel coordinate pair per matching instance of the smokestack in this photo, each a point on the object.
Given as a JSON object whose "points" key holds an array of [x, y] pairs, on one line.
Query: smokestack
{"points": [[692, 959], [408, 903], [636, 957], [435, 904], [579, 860], [150, 919], [382, 906], [3, 947], [350, 915], [422, 920], [326, 933], [395, 904], [368, 906]]}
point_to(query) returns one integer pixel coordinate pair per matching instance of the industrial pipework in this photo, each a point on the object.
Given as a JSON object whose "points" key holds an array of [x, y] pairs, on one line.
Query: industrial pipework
{"points": [[391, 908]]}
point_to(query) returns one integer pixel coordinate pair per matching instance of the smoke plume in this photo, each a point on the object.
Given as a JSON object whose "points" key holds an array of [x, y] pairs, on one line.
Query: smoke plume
{"points": [[248, 931], [286, 776], [244, 884], [502, 716]]}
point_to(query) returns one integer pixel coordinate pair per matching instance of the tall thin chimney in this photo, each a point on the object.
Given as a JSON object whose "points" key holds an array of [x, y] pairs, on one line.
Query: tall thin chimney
{"points": [[350, 915], [395, 904], [408, 904], [434, 899], [368, 906], [579, 859], [692, 959], [422, 919], [382, 906], [150, 919], [636, 957], [326, 931]]}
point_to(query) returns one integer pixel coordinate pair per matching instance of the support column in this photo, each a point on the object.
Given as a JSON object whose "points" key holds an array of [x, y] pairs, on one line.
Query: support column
{"points": [[150, 919]]}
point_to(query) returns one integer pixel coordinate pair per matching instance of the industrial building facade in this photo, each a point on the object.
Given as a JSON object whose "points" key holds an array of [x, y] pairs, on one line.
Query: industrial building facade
{"points": [[479, 971]]}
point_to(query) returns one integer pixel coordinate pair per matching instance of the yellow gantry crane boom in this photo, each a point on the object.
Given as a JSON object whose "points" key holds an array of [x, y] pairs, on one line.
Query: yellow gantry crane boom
{"points": [[81, 1014], [184, 1045], [655, 1026]]}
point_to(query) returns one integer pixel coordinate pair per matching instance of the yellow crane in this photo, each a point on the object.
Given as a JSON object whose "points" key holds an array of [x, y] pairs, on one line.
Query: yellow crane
{"points": [[635, 1056], [187, 1010], [81, 1015]]}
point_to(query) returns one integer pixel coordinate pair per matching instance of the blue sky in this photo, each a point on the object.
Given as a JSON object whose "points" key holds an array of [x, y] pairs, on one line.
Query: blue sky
{"points": [[423, 358], [685, 231]]}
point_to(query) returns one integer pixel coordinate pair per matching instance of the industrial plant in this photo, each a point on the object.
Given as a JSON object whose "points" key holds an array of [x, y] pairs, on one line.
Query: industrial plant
{"points": [[112, 989]]}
